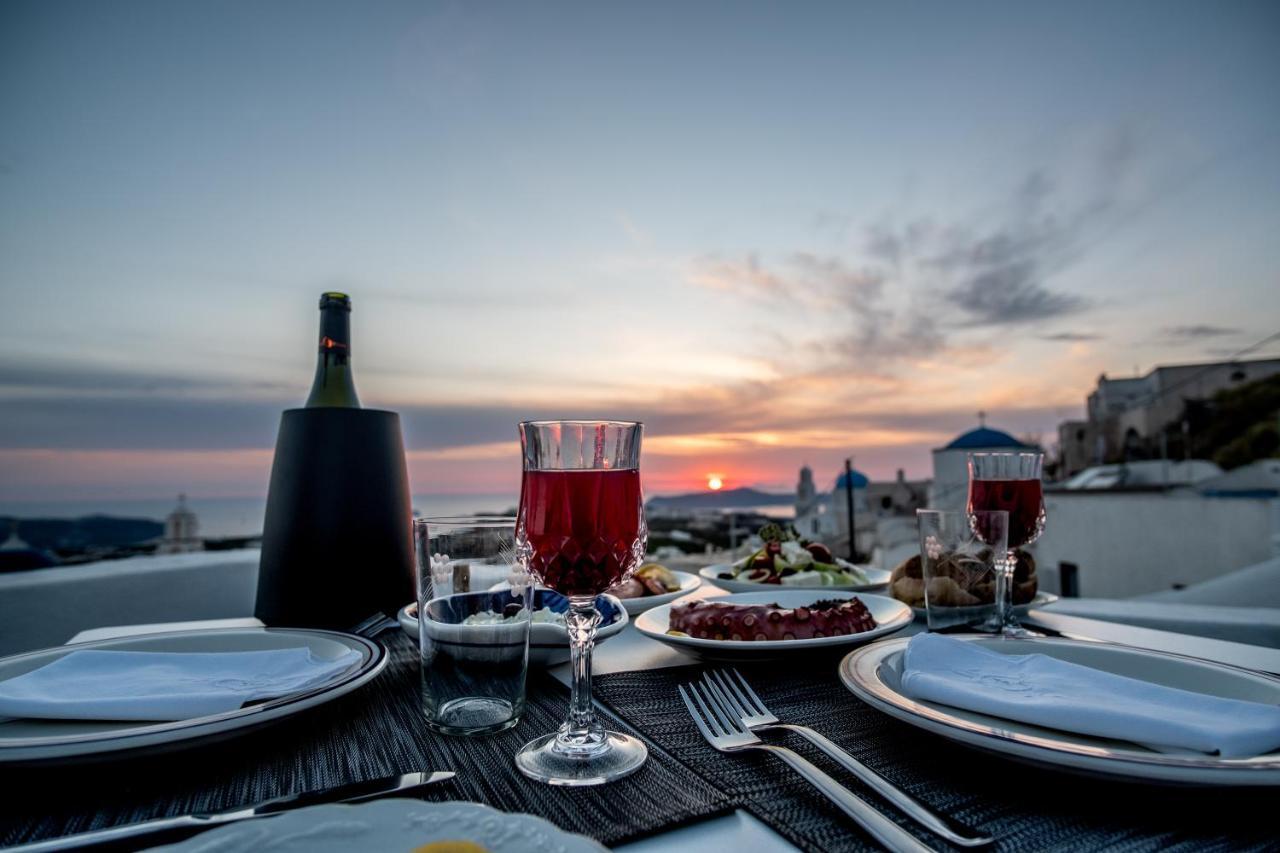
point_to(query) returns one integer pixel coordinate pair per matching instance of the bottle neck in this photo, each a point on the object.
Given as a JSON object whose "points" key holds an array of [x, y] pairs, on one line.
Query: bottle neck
{"points": [[334, 385]]}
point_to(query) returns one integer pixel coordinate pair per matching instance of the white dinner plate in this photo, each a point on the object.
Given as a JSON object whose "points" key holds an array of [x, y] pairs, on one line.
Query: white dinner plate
{"points": [[548, 643], [876, 579], [54, 740], [636, 606], [890, 615], [387, 826], [1040, 599], [873, 674]]}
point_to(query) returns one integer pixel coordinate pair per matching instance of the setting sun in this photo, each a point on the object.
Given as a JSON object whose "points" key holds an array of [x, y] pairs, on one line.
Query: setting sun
{"points": [[714, 482]]}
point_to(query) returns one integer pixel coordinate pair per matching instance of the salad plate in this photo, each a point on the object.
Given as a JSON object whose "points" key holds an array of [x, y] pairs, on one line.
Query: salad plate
{"points": [[874, 674], [872, 579], [548, 638], [786, 559], [890, 615]]}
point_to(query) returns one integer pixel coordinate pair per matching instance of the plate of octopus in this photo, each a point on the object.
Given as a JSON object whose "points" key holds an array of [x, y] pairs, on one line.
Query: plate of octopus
{"points": [[763, 625]]}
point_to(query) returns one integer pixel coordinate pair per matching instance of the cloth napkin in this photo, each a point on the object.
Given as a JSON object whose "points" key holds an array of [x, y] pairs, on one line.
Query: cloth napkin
{"points": [[1044, 691], [93, 684]]}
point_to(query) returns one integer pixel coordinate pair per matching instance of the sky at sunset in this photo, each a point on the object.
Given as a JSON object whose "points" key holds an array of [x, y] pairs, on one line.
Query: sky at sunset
{"points": [[777, 233]]}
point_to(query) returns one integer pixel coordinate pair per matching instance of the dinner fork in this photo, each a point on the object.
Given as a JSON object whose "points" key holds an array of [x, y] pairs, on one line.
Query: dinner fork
{"points": [[754, 716], [723, 731]]}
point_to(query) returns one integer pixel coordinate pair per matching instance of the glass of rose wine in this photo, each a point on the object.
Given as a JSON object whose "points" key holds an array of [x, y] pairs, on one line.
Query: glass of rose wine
{"points": [[580, 530], [1009, 482]]}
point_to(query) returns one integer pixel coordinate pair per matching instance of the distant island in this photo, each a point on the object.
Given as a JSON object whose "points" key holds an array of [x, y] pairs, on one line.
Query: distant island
{"points": [[726, 499], [70, 534]]}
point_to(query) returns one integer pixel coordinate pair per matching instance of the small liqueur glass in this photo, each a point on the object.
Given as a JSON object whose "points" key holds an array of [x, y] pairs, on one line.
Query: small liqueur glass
{"points": [[474, 646], [959, 569], [1009, 482], [580, 530]]}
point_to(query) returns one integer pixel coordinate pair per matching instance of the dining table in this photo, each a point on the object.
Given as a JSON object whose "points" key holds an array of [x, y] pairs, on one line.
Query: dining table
{"points": [[687, 796]]}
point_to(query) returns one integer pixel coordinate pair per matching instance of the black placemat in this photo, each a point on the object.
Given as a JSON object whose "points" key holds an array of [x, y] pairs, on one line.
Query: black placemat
{"points": [[1024, 807], [375, 732]]}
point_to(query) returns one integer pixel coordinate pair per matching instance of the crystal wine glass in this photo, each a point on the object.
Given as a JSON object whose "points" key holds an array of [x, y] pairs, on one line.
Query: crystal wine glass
{"points": [[580, 530], [1009, 482]]}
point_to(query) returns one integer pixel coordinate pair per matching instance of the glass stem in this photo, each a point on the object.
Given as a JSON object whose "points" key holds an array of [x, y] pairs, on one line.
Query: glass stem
{"points": [[581, 729], [1004, 588]]}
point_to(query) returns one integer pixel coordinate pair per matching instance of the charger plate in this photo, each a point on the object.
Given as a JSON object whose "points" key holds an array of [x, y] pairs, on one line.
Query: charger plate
{"points": [[873, 673], [30, 741]]}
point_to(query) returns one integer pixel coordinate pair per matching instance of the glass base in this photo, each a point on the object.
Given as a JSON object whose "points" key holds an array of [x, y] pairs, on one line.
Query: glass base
{"points": [[474, 715], [612, 757]]}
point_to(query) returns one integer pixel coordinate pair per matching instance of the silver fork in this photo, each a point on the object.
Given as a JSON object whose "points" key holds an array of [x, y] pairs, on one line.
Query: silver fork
{"points": [[747, 707], [723, 731]]}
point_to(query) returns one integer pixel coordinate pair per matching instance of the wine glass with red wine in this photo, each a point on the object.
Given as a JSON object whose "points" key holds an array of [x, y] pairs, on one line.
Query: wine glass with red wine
{"points": [[580, 530], [1009, 482]]}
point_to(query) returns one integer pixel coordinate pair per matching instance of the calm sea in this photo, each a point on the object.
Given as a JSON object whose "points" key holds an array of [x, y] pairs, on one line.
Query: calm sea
{"points": [[221, 517]]}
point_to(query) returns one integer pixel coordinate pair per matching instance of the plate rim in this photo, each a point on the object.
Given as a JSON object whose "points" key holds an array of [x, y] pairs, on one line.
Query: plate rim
{"points": [[1049, 598], [899, 622], [170, 732], [864, 663]]}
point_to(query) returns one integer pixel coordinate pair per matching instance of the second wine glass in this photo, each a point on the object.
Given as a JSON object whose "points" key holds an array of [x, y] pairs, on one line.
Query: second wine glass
{"points": [[1009, 482], [580, 530]]}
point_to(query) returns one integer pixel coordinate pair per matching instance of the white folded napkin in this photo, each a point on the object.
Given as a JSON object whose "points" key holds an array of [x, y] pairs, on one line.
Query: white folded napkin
{"points": [[1047, 692], [94, 684]]}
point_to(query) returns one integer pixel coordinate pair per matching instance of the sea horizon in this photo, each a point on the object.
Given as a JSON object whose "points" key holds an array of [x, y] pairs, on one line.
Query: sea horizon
{"points": [[234, 517]]}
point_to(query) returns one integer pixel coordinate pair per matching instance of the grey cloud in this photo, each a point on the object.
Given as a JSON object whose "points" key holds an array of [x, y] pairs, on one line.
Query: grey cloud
{"points": [[73, 421], [21, 373], [1197, 331], [1010, 293], [1071, 336]]}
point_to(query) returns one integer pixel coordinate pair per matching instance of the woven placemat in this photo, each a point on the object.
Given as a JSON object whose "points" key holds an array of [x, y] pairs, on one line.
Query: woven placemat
{"points": [[1026, 808], [373, 733]]}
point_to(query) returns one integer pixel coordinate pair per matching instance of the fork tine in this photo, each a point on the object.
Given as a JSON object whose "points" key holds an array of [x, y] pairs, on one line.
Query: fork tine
{"points": [[710, 680], [760, 708], [744, 707], [727, 716], [697, 718], [715, 721]]}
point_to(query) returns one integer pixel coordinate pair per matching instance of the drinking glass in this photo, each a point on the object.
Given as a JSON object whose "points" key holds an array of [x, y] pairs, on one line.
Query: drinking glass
{"points": [[1009, 482], [580, 530], [474, 646], [959, 569]]}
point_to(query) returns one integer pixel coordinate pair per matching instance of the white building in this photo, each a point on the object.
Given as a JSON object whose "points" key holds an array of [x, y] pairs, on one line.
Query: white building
{"points": [[181, 531], [950, 488], [1122, 543], [1145, 473]]}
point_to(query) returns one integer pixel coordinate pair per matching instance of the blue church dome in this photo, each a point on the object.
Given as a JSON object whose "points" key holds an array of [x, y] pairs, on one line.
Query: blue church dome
{"points": [[859, 480], [985, 437]]}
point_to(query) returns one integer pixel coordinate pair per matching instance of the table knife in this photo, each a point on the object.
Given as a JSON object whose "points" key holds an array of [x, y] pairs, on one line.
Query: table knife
{"points": [[354, 792]]}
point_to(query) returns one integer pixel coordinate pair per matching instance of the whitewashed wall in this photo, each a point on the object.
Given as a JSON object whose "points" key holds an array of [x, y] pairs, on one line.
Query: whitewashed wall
{"points": [[1132, 543], [950, 487], [46, 607]]}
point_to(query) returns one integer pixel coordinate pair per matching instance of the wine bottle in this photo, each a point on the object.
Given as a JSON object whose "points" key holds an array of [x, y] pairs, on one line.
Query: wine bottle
{"points": [[333, 386]]}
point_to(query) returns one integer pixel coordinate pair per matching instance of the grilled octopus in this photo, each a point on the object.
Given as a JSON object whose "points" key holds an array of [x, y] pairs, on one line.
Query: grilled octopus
{"points": [[720, 620]]}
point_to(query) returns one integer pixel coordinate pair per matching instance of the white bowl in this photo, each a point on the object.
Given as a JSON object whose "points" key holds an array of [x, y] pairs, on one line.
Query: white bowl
{"points": [[636, 606], [889, 613], [548, 643]]}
